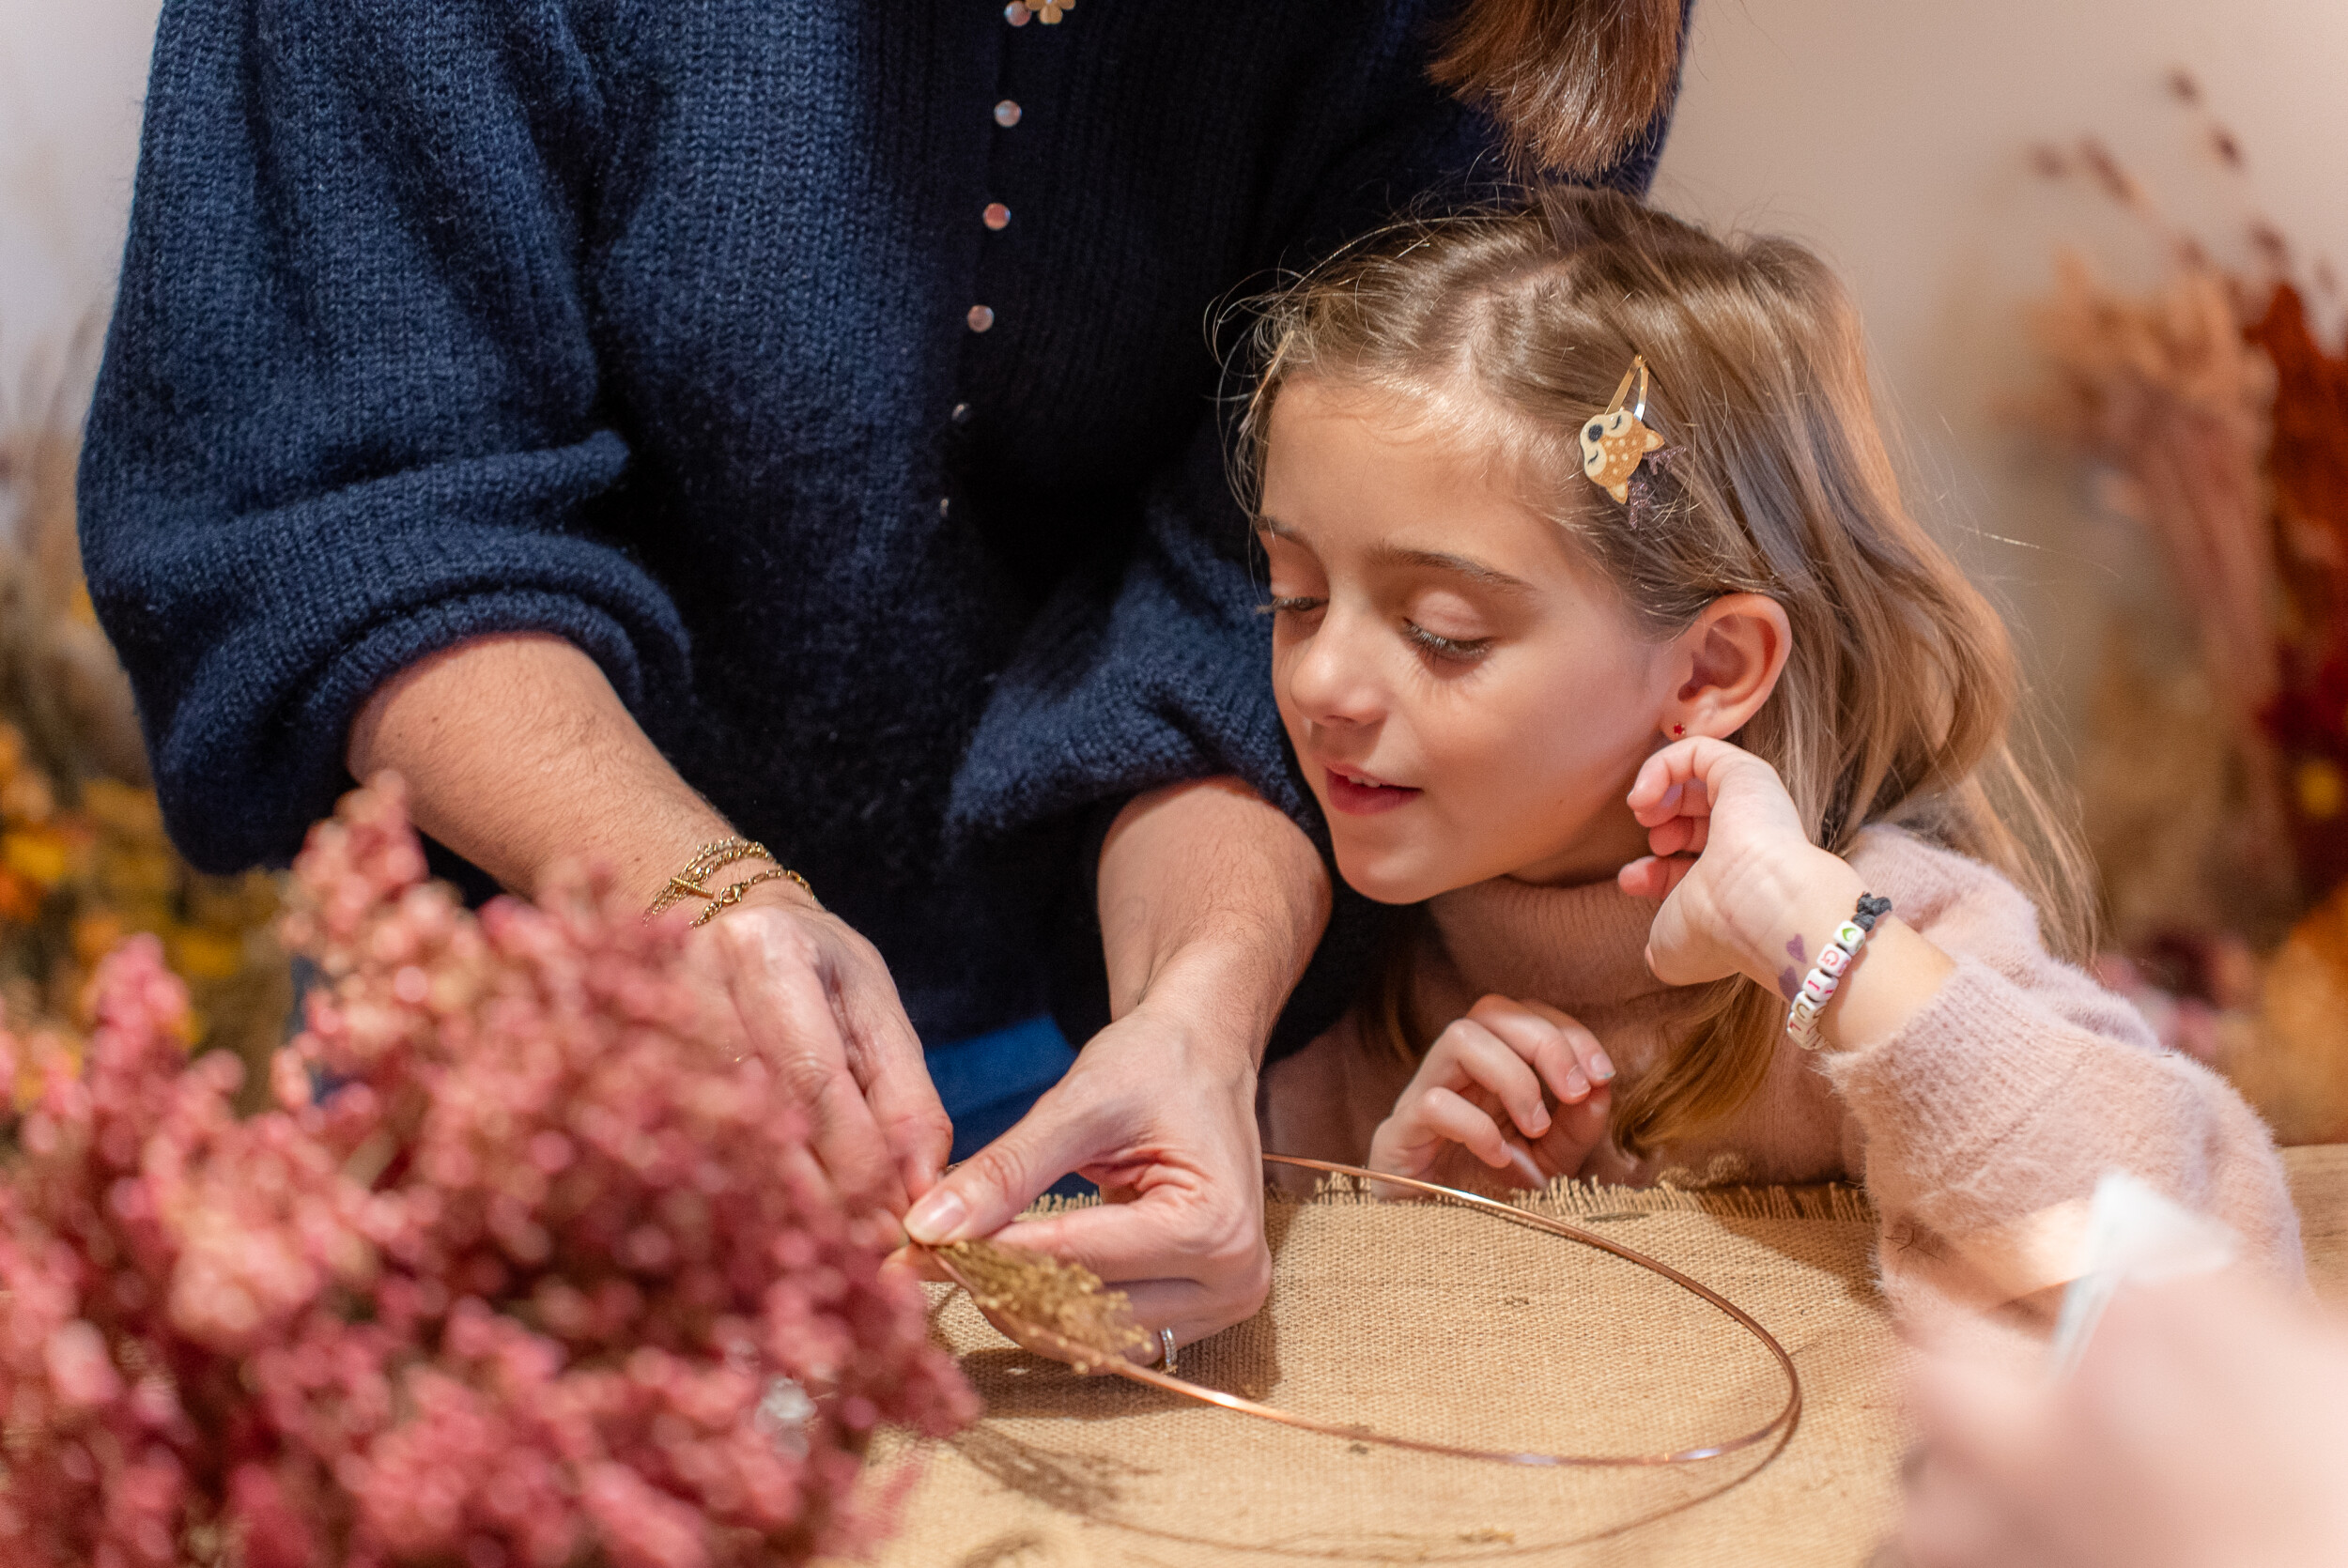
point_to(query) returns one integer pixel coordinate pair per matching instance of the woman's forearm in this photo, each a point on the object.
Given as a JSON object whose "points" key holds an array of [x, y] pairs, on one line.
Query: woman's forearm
{"points": [[1209, 893], [518, 755]]}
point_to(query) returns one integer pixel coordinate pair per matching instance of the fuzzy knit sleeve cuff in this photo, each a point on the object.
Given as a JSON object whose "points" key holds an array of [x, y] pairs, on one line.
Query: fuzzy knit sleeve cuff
{"points": [[1990, 1118]]}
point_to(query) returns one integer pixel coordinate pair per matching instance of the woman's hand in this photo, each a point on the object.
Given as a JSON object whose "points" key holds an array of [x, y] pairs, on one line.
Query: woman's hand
{"points": [[1526, 1059], [1162, 1116], [1745, 892], [1210, 902], [519, 757], [814, 998]]}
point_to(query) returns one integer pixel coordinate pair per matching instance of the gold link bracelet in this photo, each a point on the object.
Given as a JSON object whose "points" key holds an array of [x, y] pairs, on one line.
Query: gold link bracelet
{"points": [[693, 881], [720, 902]]}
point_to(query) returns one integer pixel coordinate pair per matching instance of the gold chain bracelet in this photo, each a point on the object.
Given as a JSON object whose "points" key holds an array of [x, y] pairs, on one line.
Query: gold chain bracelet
{"points": [[693, 881], [722, 902]]}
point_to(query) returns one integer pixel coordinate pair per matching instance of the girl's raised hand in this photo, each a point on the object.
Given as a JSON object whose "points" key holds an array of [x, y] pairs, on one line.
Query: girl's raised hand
{"points": [[1738, 879], [1523, 1061]]}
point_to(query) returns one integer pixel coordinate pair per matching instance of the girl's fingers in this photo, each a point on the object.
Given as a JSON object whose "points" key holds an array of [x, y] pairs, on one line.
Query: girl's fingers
{"points": [[1560, 1050], [1686, 797], [1653, 876], [1577, 1130], [1469, 1054], [1596, 1065], [1444, 1113], [1672, 837], [1682, 836], [1587, 1122], [1642, 878], [1688, 777], [1662, 786]]}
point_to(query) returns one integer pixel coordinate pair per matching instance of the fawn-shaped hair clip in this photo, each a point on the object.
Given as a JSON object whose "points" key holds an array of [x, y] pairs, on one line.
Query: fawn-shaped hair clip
{"points": [[1615, 443]]}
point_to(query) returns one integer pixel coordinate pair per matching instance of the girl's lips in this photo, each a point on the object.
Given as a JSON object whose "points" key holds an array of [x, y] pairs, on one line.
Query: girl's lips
{"points": [[1357, 799]]}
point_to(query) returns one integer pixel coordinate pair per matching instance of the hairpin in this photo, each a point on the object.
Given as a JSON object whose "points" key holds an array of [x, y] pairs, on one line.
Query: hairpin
{"points": [[1614, 443], [1647, 495]]}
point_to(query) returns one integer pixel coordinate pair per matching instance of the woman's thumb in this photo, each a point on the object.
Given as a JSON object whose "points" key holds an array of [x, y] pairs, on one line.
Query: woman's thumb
{"points": [[993, 1187]]}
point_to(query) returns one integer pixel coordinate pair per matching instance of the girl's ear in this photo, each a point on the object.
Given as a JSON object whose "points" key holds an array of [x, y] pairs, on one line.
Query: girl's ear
{"points": [[1731, 658]]}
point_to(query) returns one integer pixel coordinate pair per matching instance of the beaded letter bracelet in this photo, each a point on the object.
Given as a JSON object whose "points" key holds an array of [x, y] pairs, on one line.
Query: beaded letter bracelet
{"points": [[1801, 1021]]}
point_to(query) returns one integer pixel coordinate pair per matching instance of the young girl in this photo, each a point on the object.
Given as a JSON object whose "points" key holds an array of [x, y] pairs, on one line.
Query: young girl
{"points": [[1639, 731]]}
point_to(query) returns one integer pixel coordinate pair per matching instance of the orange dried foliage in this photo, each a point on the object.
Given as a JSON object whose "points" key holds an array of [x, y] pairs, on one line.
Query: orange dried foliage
{"points": [[2308, 458]]}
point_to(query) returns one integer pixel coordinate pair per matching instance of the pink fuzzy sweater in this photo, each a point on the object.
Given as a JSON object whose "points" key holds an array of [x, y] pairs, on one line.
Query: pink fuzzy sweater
{"points": [[1979, 1130]]}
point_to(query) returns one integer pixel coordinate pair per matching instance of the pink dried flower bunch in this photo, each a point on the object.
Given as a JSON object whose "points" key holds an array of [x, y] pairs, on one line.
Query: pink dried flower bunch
{"points": [[525, 1269]]}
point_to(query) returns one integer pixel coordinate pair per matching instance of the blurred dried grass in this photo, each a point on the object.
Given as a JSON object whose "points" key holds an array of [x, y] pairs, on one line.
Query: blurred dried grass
{"points": [[2216, 796], [83, 859]]}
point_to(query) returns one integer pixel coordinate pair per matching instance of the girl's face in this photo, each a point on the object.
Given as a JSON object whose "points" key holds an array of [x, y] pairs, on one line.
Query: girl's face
{"points": [[1467, 698]]}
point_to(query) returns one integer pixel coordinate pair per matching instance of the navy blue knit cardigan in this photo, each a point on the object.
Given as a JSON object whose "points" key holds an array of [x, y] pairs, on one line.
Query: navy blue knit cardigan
{"points": [[687, 332]]}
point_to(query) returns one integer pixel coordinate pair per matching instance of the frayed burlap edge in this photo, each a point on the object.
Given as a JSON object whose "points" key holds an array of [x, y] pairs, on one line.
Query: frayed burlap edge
{"points": [[1568, 1199]]}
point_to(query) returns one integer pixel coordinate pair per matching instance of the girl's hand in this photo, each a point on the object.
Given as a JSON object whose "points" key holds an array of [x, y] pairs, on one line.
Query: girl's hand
{"points": [[1526, 1060], [1741, 885], [1745, 892]]}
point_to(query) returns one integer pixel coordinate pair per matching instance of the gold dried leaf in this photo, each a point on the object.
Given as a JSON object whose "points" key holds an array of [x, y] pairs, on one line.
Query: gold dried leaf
{"points": [[1066, 1300]]}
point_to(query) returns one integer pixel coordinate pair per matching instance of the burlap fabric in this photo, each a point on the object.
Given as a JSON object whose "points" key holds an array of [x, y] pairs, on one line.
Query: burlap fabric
{"points": [[1452, 1325]]}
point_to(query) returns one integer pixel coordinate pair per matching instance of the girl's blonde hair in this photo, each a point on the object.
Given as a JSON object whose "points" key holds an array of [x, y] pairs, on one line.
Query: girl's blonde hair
{"points": [[1897, 697]]}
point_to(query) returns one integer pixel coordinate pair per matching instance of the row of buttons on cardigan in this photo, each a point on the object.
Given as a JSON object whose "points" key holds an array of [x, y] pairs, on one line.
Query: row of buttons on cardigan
{"points": [[995, 215], [946, 503]]}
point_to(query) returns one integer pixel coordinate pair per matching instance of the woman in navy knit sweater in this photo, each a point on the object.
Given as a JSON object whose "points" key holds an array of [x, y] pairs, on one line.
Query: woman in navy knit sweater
{"points": [[640, 424]]}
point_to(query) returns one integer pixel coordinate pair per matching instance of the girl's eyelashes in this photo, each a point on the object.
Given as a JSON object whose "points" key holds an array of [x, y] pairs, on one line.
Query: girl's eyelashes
{"points": [[1447, 649], [1433, 645]]}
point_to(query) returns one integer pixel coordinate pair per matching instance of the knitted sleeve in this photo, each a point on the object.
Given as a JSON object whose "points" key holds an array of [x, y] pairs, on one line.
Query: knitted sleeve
{"points": [[348, 412], [1989, 1119], [1156, 667]]}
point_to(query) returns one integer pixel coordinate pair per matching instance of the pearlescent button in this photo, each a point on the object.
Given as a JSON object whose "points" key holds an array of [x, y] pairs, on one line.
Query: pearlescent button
{"points": [[945, 506], [962, 413], [1016, 14], [1007, 114], [980, 317], [996, 216]]}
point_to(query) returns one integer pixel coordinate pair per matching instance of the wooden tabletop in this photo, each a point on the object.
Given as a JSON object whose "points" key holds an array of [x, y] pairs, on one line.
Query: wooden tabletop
{"points": [[2319, 1184]]}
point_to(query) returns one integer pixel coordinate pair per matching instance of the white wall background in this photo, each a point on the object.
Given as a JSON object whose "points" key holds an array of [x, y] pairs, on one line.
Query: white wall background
{"points": [[71, 73], [1892, 134]]}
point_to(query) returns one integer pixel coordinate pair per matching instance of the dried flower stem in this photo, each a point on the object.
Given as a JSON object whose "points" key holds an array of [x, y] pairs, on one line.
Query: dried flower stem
{"points": [[1066, 1300]]}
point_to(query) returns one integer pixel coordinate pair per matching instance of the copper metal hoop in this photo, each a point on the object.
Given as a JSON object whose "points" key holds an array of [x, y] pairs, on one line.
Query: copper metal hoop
{"points": [[1780, 1426]]}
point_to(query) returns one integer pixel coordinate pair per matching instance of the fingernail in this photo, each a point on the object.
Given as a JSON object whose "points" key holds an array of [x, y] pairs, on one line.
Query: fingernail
{"points": [[1577, 1086], [1537, 1122], [931, 1220], [1602, 1067]]}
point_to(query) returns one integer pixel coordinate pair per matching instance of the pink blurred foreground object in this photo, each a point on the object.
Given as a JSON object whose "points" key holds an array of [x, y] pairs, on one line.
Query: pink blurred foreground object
{"points": [[525, 1270]]}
